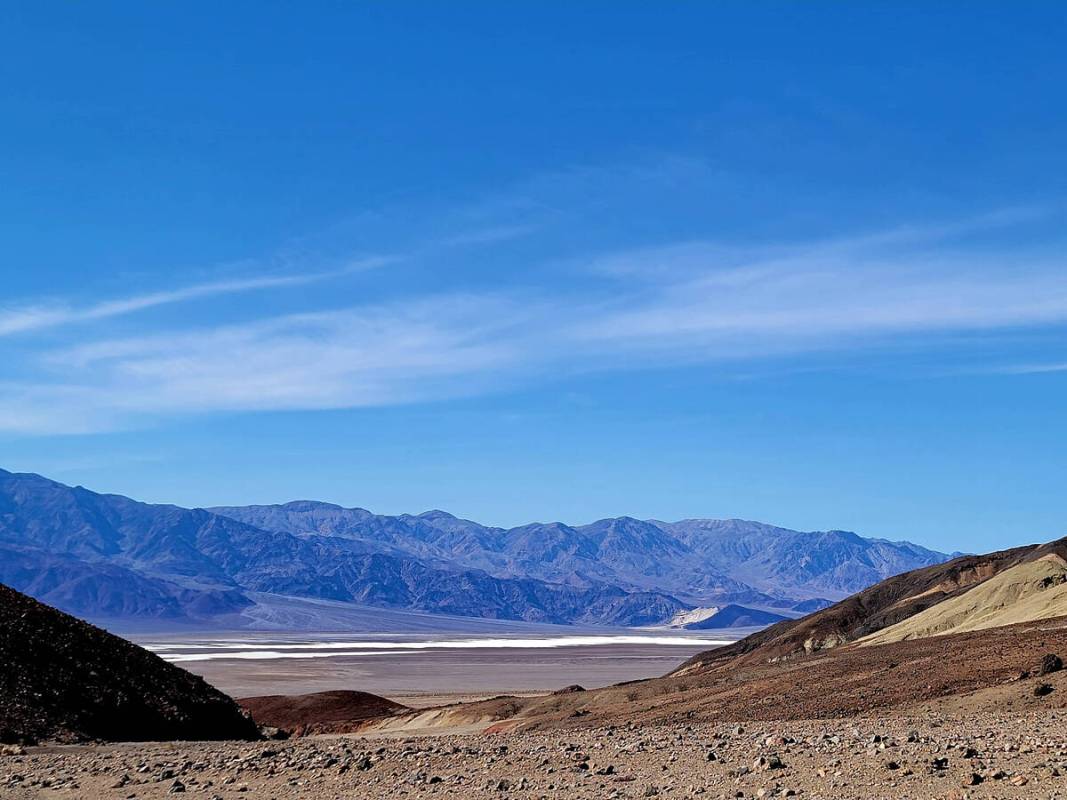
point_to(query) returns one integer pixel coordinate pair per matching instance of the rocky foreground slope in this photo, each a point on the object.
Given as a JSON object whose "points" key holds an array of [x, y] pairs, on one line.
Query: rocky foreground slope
{"points": [[930, 755], [63, 679]]}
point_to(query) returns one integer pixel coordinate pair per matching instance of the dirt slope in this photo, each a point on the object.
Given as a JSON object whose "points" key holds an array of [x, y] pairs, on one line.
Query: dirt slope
{"points": [[1027, 592], [63, 679]]}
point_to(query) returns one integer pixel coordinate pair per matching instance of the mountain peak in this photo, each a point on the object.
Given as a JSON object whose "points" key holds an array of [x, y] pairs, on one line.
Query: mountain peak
{"points": [[436, 513], [313, 505]]}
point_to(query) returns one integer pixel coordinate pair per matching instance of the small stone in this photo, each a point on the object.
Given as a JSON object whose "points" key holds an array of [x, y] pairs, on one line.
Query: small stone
{"points": [[767, 763]]}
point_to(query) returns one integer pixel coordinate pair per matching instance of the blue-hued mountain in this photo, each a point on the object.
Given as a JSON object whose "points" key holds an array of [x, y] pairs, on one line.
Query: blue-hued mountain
{"points": [[697, 560], [107, 557]]}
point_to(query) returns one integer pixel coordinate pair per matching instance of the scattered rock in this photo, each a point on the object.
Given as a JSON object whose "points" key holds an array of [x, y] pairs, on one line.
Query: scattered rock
{"points": [[764, 763], [1050, 663]]}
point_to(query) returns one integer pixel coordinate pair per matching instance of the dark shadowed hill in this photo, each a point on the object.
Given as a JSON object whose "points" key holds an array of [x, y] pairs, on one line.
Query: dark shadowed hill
{"points": [[63, 679]]}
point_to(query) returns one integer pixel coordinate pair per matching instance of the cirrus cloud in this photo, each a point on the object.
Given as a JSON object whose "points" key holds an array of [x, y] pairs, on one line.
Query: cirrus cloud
{"points": [[682, 302]]}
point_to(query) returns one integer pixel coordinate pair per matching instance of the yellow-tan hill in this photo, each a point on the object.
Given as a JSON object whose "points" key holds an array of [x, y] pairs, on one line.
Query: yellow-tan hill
{"points": [[1027, 592]]}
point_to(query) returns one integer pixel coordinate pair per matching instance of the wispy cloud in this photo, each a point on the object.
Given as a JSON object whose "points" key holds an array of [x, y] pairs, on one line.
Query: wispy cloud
{"points": [[683, 302], [1030, 368], [371, 356], [812, 298], [489, 235], [37, 317]]}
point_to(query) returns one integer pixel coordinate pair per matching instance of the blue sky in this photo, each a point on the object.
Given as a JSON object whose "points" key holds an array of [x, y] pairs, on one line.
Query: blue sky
{"points": [[802, 263]]}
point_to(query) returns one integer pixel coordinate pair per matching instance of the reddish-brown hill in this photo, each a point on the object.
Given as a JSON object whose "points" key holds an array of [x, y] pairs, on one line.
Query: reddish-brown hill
{"points": [[319, 712]]}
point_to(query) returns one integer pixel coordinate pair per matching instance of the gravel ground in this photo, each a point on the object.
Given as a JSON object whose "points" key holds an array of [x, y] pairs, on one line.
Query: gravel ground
{"points": [[979, 756]]}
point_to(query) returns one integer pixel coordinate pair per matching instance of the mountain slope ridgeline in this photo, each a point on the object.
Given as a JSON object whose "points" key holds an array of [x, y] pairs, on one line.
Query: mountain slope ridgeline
{"points": [[107, 557]]}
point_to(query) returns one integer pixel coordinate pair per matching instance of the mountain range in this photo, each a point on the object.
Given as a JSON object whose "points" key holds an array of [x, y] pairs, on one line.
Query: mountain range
{"points": [[107, 557]]}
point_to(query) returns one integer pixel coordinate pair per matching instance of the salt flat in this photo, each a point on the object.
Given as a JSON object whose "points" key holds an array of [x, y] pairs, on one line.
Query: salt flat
{"points": [[416, 668]]}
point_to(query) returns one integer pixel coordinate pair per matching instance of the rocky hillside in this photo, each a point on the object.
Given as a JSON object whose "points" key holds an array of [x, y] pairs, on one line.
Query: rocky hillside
{"points": [[1031, 590], [109, 558], [969, 593], [63, 679]]}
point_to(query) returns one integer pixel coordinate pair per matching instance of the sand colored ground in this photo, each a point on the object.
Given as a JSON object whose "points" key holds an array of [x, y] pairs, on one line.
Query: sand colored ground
{"points": [[923, 757], [1031, 591]]}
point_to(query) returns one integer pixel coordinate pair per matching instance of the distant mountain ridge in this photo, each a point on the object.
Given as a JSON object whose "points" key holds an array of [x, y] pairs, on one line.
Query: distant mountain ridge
{"points": [[694, 559], [106, 556]]}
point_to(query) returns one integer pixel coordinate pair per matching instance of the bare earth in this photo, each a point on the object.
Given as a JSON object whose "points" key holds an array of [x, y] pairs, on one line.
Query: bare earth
{"points": [[980, 756], [961, 716]]}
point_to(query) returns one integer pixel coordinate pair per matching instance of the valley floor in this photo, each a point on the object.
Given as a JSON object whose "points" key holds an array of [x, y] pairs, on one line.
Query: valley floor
{"points": [[927, 756], [431, 668]]}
